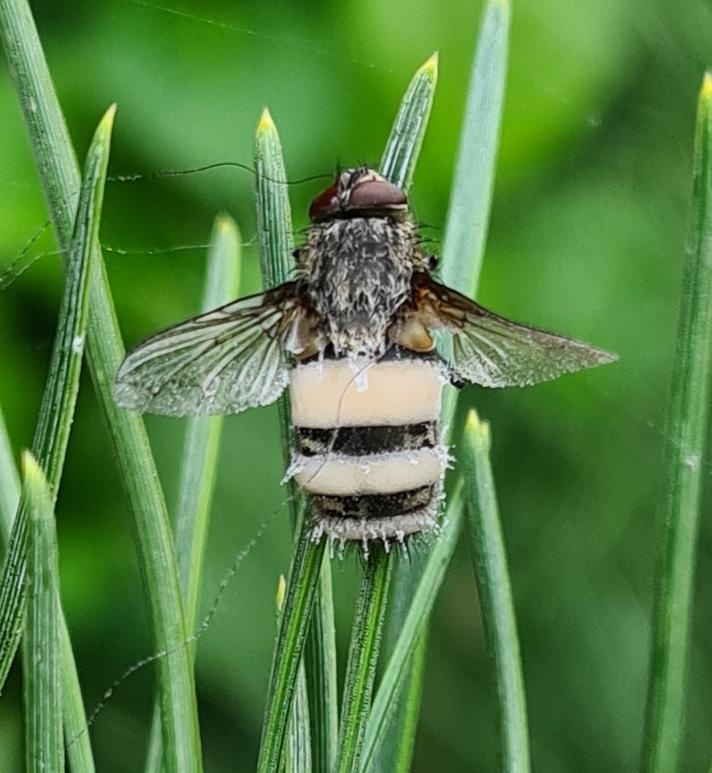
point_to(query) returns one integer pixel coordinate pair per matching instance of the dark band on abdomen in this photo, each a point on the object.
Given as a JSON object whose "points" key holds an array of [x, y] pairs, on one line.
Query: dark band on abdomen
{"points": [[360, 441], [373, 505]]}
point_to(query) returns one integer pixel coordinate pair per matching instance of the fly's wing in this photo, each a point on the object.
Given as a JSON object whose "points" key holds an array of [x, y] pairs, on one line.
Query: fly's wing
{"points": [[494, 352], [223, 361]]}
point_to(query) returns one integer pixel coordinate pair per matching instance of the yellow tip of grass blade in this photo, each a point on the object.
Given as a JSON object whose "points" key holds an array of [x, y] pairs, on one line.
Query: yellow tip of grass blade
{"points": [[266, 124], [430, 66], [706, 88], [30, 466], [476, 427], [107, 120], [281, 592]]}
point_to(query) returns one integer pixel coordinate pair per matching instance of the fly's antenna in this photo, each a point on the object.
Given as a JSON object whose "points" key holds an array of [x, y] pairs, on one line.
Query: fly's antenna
{"points": [[11, 272], [131, 177]]}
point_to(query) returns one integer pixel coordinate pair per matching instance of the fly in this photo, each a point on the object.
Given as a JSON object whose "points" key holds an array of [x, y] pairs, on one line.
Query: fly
{"points": [[352, 337]]}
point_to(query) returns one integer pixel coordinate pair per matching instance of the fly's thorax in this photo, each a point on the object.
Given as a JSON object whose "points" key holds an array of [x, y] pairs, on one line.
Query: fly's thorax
{"points": [[367, 443], [357, 273]]}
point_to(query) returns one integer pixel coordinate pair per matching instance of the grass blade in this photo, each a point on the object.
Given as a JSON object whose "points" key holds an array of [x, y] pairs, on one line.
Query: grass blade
{"points": [[363, 657], [463, 251], [398, 165], [274, 236], [399, 665], [687, 426], [9, 485], [298, 752], [468, 215], [43, 709], [52, 433], [200, 456], [274, 229], [320, 674], [402, 743], [293, 623], [406, 138], [60, 393], [202, 434], [60, 176], [500, 625]]}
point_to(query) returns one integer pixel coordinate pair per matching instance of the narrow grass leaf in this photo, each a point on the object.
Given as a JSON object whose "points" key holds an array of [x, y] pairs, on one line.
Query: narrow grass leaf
{"points": [[468, 215], [60, 176], [320, 673], [54, 422], [687, 427], [199, 462], [274, 230], [74, 716], [60, 393], [363, 657], [297, 751], [302, 583], [403, 742], [44, 749], [398, 670], [406, 138], [398, 165], [274, 237], [463, 252], [9, 485], [500, 626], [202, 435]]}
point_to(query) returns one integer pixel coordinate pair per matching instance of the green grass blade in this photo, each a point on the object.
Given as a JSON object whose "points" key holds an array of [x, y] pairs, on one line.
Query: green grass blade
{"points": [[468, 215], [403, 743], [52, 433], [200, 455], [496, 602], [687, 427], [293, 623], [79, 751], [276, 244], [274, 230], [406, 138], [202, 436], [463, 252], [9, 485], [60, 176], [44, 749], [398, 165], [320, 673], [60, 393], [399, 665], [363, 657], [297, 752]]}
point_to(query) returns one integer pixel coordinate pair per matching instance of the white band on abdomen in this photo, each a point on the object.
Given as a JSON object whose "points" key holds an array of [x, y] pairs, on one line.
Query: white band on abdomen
{"points": [[337, 475], [340, 393]]}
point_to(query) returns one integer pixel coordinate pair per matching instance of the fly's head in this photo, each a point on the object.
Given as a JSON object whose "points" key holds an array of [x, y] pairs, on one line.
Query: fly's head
{"points": [[360, 192]]}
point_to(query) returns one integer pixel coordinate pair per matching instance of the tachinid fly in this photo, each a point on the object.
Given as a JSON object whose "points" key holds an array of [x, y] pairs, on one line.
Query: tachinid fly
{"points": [[352, 337]]}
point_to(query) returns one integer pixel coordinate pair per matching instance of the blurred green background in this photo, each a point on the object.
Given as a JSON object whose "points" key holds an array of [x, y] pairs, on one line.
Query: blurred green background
{"points": [[587, 237]]}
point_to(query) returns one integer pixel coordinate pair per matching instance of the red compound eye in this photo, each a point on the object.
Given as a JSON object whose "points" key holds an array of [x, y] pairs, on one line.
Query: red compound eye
{"points": [[375, 195], [325, 205]]}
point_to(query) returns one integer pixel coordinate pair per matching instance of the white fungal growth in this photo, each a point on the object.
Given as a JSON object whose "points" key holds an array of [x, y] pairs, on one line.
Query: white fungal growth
{"points": [[78, 344]]}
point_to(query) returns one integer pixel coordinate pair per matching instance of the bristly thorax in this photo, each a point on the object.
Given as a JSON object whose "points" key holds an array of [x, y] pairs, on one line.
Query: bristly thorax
{"points": [[358, 272]]}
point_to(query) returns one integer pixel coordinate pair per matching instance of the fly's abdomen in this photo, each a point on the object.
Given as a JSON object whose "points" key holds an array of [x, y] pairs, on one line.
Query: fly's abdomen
{"points": [[367, 441]]}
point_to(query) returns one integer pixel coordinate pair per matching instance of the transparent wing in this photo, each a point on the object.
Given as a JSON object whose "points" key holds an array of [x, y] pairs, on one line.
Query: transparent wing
{"points": [[223, 361], [495, 352]]}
